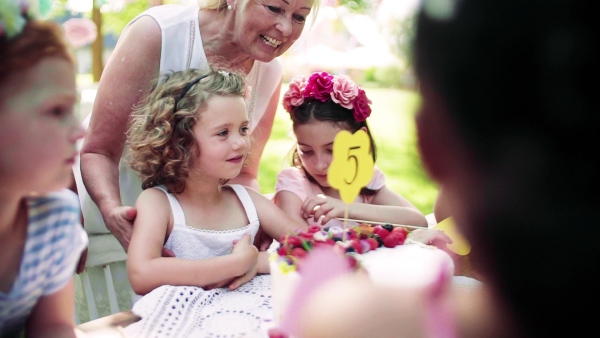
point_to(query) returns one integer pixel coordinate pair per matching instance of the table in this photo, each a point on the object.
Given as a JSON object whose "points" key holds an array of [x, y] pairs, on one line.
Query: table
{"points": [[185, 311]]}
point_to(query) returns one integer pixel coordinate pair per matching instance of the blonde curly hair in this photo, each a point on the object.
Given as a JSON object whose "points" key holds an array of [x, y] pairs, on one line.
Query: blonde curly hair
{"points": [[160, 137]]}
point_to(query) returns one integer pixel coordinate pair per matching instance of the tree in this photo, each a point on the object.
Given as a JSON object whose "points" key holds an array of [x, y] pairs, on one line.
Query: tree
{"points": [[109, 16], [97, 45]]}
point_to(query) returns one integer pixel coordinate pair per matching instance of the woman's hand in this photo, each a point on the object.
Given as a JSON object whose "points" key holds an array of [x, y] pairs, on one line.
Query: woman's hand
{"points": [[323, 208], [120, 223]]}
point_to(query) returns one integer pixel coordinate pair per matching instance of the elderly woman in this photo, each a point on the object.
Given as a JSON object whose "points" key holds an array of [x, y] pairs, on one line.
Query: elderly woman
{"points": [[244, 35]]}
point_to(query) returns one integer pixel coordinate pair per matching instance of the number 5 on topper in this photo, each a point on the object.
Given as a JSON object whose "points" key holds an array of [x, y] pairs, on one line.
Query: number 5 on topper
{"points": [[352, 166]]}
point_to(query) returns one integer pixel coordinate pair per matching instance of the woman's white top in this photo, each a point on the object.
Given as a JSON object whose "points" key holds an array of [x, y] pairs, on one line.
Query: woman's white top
{"points": [[181, 49]]}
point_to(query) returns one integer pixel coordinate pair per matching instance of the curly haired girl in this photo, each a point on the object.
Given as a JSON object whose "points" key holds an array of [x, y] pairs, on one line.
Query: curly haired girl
{"points": [[187, 139]]}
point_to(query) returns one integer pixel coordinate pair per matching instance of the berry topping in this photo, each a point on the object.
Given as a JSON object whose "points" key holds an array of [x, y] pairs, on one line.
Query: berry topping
{"points": [[388, 227], [358, 240]]}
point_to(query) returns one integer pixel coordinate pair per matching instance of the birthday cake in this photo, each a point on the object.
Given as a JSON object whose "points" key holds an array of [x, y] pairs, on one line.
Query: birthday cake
{"points": [[384, 252]]}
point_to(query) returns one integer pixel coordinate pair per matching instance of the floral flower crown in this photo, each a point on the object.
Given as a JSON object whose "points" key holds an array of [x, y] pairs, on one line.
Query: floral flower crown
{"points": [[324, 86], [13, 14]]}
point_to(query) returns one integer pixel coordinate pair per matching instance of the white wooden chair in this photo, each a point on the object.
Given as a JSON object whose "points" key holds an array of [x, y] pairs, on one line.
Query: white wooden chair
{"points": [[431, 221], [102, 251]]}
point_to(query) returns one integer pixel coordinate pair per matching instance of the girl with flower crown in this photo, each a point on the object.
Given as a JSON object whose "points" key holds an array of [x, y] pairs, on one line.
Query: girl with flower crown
{"points": [[41, 238], [320, 107]]}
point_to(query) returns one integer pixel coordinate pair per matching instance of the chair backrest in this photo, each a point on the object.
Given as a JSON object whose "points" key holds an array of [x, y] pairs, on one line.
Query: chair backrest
{"points": [[431, 221], [101, 291], [103, 288]]}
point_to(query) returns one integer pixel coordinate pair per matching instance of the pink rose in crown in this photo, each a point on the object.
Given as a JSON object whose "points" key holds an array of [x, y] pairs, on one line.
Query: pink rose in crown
{"points": [[319, 86], [293, 97], [362, 110], [344, 91]]}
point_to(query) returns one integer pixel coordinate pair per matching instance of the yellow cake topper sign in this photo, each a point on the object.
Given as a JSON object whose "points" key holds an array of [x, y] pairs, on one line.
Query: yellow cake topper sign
{"points": [[459, 244], [352, 166]]}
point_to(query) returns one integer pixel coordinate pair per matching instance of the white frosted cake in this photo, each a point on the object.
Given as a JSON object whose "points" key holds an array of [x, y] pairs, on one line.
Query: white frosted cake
{"points": [[393, 261]]}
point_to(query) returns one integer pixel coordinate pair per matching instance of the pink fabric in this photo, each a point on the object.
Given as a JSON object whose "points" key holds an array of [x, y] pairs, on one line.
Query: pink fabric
{"points": [[294, 180], [321, 265]]}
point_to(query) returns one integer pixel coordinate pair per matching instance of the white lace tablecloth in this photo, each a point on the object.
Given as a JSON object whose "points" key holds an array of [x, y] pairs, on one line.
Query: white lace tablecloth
{"points": [[186, 311]]}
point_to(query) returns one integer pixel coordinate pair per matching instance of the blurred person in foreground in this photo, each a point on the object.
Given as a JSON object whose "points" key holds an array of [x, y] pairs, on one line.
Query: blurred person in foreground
{"points": [[41, 238], [507, 126]]}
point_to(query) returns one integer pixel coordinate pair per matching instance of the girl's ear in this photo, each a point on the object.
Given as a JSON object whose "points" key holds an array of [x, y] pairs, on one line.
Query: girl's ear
{"points": [[363, 129]]}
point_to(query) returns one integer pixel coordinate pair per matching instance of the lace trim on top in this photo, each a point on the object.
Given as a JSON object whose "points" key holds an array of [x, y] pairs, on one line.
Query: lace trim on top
{"points": [[187, 227]]}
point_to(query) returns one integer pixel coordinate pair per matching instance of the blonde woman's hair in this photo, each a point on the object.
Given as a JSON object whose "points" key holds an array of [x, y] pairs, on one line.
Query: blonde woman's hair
{"points": [[160, 137], [212, 4], [221, 4]]}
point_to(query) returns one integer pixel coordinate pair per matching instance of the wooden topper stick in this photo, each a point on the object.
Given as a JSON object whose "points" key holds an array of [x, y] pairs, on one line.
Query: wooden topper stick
{"points": [[379, 223], [345, 222]]}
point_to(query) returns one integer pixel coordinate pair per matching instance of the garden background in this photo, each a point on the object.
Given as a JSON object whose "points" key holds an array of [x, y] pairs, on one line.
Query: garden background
{"points": [[367, 40]]}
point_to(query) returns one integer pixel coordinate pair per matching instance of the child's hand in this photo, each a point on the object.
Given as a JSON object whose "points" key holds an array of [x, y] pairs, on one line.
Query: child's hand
{"points": [[245, 278], [81, 264], [220, 284], [322, 206], [167, 252], [247, 252], [262, 240], [438, 238]]}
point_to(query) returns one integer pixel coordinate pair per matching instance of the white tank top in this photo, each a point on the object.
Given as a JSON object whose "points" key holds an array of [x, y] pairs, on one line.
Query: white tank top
{"points": [[193, 243]]}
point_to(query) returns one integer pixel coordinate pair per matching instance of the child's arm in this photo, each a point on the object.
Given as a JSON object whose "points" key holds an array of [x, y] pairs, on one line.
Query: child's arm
{"points": [[291, 188], [386, 206], [291, 204], [273, 220], [53, 315], [148, 270]]}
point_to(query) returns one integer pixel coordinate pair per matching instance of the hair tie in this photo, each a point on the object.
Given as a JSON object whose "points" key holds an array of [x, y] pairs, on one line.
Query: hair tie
{"points": [[186, 89]]}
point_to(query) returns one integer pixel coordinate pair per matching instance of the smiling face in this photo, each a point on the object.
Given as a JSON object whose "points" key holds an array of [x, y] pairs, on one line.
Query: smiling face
{"points": [[267, 28], [223, 137], [38, 127], [315, 147]]}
